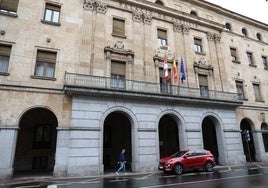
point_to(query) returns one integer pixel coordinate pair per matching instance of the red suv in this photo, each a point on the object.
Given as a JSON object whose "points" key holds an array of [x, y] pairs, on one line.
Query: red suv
{"points": [[187, 159]]}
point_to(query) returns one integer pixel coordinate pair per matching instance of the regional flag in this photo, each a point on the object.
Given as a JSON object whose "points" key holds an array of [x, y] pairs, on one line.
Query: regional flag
{"points": [[182, 71], [175, 73], [166, 68]]}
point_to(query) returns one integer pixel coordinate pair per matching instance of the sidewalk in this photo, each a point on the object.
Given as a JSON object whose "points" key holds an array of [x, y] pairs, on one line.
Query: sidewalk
{"points": [[39, 178]]}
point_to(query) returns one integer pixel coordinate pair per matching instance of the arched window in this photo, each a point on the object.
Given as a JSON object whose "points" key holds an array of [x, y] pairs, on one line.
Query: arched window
{"points": [[244, 32], [193, 13], [258, 35], [228, 27], [264, 128], [159, 2]]}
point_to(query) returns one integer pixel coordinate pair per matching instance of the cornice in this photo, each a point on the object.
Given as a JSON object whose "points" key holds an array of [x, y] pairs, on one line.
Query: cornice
{"points": [[228, 13], [155, 11]]}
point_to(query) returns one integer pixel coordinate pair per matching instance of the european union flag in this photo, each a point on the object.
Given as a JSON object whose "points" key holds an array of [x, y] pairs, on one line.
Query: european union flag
{"points": [[182, 70]]}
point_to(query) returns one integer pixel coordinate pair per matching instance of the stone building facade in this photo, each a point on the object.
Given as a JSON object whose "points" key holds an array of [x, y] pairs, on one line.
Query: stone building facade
{"points": [[80, 80]]}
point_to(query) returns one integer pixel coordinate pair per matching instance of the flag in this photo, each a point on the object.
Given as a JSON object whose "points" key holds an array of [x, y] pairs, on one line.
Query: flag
{"points": [[175, 74], [182, 71], [166, 68]]}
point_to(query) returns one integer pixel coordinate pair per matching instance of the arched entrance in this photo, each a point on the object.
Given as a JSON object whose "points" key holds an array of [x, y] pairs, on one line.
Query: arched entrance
{"points": [[36, 143], [116, 135], [168, 136], [249, 150], [210, 137]]}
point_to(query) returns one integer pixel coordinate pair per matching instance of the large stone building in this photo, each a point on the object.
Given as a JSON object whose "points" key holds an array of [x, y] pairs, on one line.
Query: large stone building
{"points": [[79, 80]]}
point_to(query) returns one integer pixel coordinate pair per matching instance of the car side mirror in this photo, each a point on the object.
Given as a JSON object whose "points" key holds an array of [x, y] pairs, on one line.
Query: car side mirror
{"points": [[184, 156]]}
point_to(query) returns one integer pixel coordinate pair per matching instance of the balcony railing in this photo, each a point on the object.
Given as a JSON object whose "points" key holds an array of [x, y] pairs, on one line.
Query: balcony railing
{"points": [[97, 82]]}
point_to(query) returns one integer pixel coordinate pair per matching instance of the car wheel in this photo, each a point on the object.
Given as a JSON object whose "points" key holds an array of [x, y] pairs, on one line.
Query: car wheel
{"points": [[178, 169], [209, 167]]}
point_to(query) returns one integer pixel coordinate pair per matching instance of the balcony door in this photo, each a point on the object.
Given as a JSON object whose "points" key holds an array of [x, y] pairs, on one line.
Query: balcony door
{"points": [[118, 75]]}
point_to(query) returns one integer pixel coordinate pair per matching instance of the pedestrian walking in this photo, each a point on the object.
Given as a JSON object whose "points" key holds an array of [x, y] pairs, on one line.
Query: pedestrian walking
{"points": [[122, 163]]}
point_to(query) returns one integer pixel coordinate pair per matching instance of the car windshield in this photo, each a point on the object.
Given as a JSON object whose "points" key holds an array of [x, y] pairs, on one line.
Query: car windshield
{"points": [[178, 154]]}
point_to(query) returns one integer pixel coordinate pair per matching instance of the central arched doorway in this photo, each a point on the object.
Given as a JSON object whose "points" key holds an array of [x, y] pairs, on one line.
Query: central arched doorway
{"points": [[249, 148], [210, 137], [116, 135], [36, 143], [168, 136]]}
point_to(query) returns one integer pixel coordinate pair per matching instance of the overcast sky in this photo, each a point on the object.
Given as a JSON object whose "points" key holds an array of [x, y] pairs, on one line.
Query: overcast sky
{"points": [[256, 9]]}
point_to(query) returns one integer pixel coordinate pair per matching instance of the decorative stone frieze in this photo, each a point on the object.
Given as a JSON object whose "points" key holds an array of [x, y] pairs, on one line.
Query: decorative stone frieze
{"points": [[182, 28], [117, 50], [213, 37], [201, 65], [95, 6]]}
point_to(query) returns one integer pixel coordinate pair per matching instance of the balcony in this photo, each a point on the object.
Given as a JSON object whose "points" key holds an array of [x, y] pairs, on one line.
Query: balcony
{"points": [[79, 84]]}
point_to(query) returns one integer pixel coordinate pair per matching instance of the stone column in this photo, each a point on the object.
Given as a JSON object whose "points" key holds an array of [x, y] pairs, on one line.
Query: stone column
{"points": [[8, 139], [62, 152]]}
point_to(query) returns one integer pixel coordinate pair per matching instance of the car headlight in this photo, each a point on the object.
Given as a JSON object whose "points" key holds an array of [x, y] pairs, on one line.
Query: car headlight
{"points": [[170, 161]]}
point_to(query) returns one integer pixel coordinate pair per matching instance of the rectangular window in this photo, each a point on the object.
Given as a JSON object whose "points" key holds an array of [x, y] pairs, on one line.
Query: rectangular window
{"points": [[198, 45], [240, 89], [233, 54], [9, 6], [264, 61], [203, 85], [162, 37], [250, 58], [257, 92], [4, 57], [52, 13], [45, 64], [118, 70], [118, 27]]}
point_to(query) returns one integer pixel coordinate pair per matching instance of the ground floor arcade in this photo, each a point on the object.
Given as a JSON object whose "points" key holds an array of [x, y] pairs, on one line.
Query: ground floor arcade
{"points": [[101, 127]]}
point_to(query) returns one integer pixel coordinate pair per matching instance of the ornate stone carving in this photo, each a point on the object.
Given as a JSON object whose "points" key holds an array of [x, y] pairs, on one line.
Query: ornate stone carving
{"points": [[213, 37], [182, 28], [201, 65], [147, 18], [142, 17], [95, 6], [137, 16], [217, 37], [117, 50], [210, 36], [159, 56]]}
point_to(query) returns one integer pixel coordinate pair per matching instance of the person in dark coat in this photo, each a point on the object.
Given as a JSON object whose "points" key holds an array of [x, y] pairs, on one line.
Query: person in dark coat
{"points": [[122, 162]]}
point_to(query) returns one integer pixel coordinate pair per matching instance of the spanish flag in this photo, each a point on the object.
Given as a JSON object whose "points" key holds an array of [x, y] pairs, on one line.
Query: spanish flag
{"points": [[175, 73]]}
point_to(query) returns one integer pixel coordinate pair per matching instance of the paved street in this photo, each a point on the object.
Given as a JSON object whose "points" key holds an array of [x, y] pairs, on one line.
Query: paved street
{"points": [[253, 176]]}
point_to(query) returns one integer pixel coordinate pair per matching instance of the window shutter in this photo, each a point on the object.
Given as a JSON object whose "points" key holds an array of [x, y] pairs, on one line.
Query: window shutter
{"points": [[5, 50], [233, 51], [44, 56], [162, 34], [118, 26], [203, 81], [118, 68], [9, 5], [198, 42], [53, 7], [257, 92]]}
